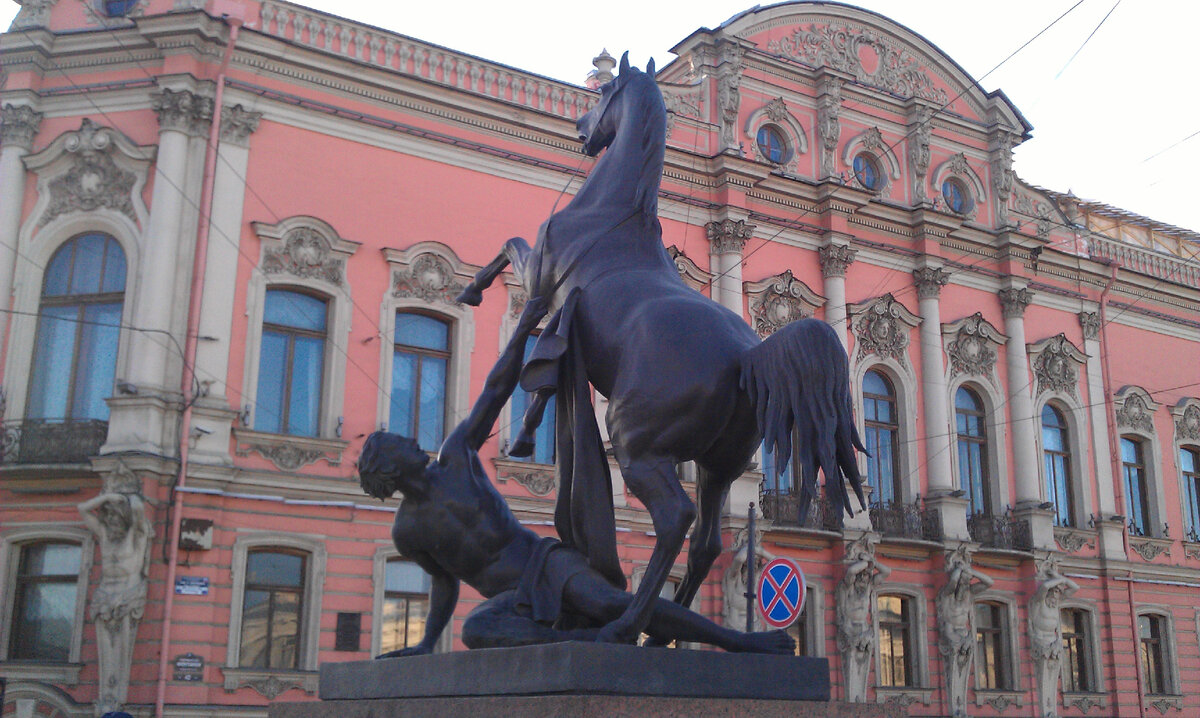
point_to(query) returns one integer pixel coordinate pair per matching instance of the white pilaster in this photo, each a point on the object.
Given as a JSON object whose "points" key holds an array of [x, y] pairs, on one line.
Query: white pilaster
{"points": [[728, 238], [835, 260], [938, 453], [18, 126]]}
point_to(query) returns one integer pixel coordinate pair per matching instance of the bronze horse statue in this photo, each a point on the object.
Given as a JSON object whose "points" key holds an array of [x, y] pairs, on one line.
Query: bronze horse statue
{"points": [[686, 378]]}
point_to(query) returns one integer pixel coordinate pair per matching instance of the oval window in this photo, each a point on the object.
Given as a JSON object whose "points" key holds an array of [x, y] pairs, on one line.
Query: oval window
{"points": [[866, 171], [119, 8], [771, 144], [955, 195]]}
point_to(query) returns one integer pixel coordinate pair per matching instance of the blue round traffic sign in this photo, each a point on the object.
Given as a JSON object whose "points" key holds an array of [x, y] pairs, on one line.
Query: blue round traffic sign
{"points": [[781, 593]]}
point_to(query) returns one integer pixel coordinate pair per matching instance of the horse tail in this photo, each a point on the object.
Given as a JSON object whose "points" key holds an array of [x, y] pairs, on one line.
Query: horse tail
{"points": [[800, 378]]}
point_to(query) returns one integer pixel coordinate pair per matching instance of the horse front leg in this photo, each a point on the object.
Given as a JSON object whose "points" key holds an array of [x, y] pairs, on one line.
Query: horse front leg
{"points": [[653, 481], [515, 252]]}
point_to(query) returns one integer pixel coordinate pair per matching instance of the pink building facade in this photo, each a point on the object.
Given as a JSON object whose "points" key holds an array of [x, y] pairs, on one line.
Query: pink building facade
{"points": [[199, 327]]}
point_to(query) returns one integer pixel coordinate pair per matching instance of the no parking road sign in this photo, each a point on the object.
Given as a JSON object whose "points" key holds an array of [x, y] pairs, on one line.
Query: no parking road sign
{"points": [[781, 593]]}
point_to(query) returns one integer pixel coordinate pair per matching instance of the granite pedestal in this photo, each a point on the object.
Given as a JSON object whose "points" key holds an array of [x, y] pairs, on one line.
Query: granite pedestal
{"points": [[577, 679]]}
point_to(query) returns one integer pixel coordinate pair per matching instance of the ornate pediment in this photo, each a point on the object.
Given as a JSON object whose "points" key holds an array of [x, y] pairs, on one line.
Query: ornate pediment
{"points": [[881, 327], [1056, 362], [1187, 420], [305, 248], [90, 169], [780, 300], [971, 346], [1135, 409], [429, 271], [873, 58], [691, 274]]}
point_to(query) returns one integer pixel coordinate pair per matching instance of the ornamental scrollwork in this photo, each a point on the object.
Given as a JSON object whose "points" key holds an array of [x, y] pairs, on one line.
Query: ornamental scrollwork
{"points": [[306, 253], [1150, 549], [778, 301], [882, 328], [539, 482], [1187, 422], [429, 277], [1072, 541], [285, 456], [829, 127], [1136, 413], [929, 281], [19, 124], [842, 47], [1084, 703], [972, 348], [920, 128], [1013, 302], [182, 110], [1090, 322], [835, 259], [94, 180], [1057, 364], [1001, 702], [729, 236], [272, 687]]}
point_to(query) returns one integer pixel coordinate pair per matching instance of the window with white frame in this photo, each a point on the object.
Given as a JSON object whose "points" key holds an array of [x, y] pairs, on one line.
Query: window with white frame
{"points": [[405, 605], [1056, 465], [420, 371], [45, 597], [992, 662], [897, 648], [973, 451], [1189, 470], [881, 426], [291, 372], [1154, 654], [79, 319], [1078, 669], [1137, 499], [543, 438]]}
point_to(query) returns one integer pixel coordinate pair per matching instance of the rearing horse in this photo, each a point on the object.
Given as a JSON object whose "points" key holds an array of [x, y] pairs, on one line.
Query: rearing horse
{"points": [[687, 379]]}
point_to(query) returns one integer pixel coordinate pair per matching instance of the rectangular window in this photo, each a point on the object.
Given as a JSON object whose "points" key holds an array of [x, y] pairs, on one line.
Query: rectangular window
{"points": [[1077, 652], [44, 606], [1189, 467], [991, 656], [1150, 636], [291, 364], [895, 642], [405, 605], [1133, 465], [420, 364], [799, 629], [543, 439], [272, 610]]}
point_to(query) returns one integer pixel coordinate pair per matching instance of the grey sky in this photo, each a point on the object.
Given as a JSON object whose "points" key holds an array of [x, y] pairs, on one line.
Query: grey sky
{"points": [[1102, 126]]}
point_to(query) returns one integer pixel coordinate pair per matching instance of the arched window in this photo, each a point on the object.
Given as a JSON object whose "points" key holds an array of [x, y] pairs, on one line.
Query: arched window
{"points": [[419, 371], [972, 451], [405, 605], [1133, 467], [291, 364], [1056, 456], [273, 609], [991, 647], [771, 144], [543, 438], [867, 172], [882, 429], [75, 353], [896, 644], [1189, 468], [43, 619]]}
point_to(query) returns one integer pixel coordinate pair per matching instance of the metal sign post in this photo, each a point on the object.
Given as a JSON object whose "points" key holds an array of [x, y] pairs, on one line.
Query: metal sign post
{"points": [[751, 559]]}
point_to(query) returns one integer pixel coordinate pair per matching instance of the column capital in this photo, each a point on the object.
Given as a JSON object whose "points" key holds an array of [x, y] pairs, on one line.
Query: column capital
{"points": [[930, 281], [18, 126], [728, 236], [1013, 302], [1090, 321], [182, 110], [836, 259], [237, 124]]}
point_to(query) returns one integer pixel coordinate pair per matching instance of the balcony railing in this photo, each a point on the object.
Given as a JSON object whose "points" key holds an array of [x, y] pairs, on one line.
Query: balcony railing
{"points": [[912, 520], [51, 441], [783, 509], [1002, 532]]}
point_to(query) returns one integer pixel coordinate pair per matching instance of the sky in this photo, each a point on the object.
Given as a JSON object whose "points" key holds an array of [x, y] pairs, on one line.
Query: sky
{"points": [[1116, 117]]}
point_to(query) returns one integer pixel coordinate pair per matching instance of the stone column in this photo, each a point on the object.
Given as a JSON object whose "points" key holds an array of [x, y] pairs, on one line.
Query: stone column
{"points": [[938, 438], [728, 238], [18, 126], [1111, 532], [180, 114], [213, 411], [835, 260], [1023, 423]]}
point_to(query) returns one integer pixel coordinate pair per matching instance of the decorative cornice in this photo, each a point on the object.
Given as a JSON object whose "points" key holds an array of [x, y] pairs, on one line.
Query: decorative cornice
{"points": [[270, 684], [182, 110], [305, 247], [237, 124], [1013, 302], [539, 480], [93, 179], [729, 236], [780, 300], [429, 277], [1072, 540], [1136, 409], [1056, 364], [1150, 548], [929, 281], [19, 124], [1162, 705], [1090, 321], [1191, 550], [835, 259], [289, 452], [1085, 702]]}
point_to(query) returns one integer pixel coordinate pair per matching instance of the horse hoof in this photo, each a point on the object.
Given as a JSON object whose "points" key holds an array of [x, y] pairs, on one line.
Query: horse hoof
{"points": [[470, 296], [522, 446], [615, 634]]}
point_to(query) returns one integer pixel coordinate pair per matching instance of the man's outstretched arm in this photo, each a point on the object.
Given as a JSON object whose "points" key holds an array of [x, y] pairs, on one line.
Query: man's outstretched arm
{"points": [[443, 597], [502, 379]]}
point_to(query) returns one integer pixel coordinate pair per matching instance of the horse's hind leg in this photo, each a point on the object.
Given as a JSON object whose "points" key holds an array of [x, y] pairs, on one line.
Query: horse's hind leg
{"points": [[515, 251], [523, 445], [653, 481], [705, 546]]}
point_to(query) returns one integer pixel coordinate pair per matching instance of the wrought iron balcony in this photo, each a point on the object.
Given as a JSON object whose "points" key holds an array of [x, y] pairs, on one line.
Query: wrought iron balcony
{"points": [[913, 520], [51, 441], [783, 509], [1002, 532]]}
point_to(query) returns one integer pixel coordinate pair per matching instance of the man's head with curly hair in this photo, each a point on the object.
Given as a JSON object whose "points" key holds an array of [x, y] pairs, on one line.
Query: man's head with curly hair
{"points": [[389, 462]]}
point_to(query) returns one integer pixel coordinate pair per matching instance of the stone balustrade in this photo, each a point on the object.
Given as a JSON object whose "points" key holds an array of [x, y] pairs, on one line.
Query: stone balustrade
{"points": [[1154, 264]]}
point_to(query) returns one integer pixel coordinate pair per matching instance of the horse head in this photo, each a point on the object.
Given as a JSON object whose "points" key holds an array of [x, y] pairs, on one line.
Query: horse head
{"points": [[598, 127]]}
